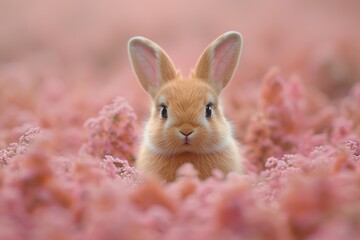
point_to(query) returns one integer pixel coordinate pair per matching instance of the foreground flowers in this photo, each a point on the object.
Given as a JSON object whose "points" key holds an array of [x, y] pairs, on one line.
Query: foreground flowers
{"points": [[302, 181]]}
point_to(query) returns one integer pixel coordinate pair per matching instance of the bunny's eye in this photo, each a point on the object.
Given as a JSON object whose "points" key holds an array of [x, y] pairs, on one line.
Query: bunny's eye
{"points": [[163, 111], [208, 110]]}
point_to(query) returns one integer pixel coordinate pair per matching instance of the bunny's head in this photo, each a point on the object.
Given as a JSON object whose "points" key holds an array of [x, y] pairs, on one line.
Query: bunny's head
{"points": [[186, 115]]}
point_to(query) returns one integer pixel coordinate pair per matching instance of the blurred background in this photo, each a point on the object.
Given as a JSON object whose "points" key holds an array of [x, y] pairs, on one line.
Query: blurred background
{"points": [[60, 61]]}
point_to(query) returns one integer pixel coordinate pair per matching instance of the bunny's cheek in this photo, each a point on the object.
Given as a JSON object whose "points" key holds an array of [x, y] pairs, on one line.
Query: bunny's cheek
{"points": [[224, 143], [149, 144], [204, 123], [153, 137], [167, 124]]}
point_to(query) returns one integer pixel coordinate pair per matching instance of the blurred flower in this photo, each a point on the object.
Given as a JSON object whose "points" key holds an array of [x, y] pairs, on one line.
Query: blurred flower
{"points": [[18, 148], [118, 167], [112, 132], [277, 129]]}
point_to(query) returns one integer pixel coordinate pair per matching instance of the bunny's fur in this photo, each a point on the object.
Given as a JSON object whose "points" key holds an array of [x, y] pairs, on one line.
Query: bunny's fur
{"points": [[194, 128]]}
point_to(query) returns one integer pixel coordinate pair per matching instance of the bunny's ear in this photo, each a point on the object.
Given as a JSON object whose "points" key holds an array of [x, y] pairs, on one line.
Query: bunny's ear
{"points": [[217, 63], [150, 63]]}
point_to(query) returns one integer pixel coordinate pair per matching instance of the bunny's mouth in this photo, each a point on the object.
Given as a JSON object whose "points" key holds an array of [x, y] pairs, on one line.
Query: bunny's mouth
{"points": [[187, 141], [186, 136]]}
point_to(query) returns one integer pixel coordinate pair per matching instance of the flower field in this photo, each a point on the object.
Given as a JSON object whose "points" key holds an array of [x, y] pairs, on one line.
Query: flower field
{"points": [[72, 114]]}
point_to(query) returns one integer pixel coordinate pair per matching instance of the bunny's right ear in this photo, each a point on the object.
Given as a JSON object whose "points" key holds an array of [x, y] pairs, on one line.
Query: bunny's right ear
{"points": [[150, 63], [218, 62]]}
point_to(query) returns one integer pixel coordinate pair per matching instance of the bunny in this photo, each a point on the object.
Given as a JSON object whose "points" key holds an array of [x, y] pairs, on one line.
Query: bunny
{"points": [[186, 124]]}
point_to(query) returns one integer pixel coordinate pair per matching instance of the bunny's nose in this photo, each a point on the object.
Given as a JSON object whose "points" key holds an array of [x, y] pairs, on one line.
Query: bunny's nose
{"points": [[186, 133], [186, 129]]}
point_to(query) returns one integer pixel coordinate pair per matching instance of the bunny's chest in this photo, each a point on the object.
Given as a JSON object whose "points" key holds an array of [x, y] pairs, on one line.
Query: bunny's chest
{"points": [[167, 168]]}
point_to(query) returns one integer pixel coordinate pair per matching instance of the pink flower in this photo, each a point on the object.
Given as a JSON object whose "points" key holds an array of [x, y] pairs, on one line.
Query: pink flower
{"points": [[20, 147], [112, 132]]}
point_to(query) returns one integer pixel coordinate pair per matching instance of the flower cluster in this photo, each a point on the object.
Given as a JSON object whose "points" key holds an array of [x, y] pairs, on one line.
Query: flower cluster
{"points": [[296, 198], [19, 147], [112, 132], [281, 123]]}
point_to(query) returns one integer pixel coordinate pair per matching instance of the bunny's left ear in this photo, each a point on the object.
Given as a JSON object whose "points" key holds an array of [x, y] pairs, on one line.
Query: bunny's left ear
{"points": [[218, 62], [152, 66]]}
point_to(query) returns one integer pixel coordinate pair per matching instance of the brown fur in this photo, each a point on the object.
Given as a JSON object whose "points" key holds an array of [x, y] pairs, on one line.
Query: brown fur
{"points": [[212, 145]]}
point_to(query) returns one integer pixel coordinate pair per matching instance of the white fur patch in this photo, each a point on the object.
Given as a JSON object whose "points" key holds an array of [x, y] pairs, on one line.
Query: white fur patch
{"points": [[210, 98], [168, 122], [203, 121], [161, 100], [228, 137], [147, 140], [225, 141]]}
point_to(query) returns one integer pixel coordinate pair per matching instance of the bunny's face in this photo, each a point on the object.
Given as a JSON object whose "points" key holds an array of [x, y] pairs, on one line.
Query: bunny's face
{"points": [[186, 117]]}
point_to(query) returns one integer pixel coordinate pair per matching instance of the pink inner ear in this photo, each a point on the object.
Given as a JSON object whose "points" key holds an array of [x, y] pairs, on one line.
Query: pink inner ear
{"points": [[147, 62], [224, 59]]}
